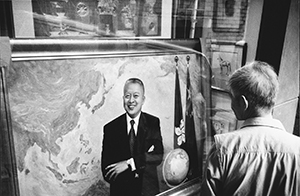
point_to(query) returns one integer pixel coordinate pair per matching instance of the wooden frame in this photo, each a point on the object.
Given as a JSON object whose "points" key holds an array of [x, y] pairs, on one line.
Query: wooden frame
{"points": [[226, 57], [229, 15]]}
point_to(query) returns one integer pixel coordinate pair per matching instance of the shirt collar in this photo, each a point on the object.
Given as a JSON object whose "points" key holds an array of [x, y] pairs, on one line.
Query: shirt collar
{"points": [[262, 121], [136, 119], [136, 122]]}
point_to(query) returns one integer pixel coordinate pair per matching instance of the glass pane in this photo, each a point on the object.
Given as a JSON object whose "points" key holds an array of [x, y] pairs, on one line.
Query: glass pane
{"points": [[63, 92], [92, 18]]}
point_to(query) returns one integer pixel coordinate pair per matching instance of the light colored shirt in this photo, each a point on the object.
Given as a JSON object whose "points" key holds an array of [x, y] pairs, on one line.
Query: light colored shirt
{"points": [[261, 158], [136, 123]]}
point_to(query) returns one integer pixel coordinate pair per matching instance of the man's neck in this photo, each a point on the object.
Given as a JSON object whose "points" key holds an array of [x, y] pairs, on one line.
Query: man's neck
{"points": [[263, 113]]}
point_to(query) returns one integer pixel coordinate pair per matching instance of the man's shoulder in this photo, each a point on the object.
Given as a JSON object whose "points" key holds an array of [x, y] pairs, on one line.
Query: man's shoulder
{"points": [[149, 120], [116, 121], [256, 139], [238, 140], [225, 139], [149, 116]]}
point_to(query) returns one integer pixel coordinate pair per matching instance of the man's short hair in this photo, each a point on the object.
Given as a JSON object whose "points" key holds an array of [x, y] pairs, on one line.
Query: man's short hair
{"points": [[258, 82], [135, 81]]}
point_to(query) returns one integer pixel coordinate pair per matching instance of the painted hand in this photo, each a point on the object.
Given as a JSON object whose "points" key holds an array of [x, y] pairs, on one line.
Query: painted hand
{"points": [[115, 169]]}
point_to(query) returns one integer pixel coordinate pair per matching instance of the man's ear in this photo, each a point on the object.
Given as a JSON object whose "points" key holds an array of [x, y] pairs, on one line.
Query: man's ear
{"points": [[244, 102]]}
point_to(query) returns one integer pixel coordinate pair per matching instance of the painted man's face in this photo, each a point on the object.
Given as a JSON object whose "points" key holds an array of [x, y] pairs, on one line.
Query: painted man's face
{"points": [[133, 99]]}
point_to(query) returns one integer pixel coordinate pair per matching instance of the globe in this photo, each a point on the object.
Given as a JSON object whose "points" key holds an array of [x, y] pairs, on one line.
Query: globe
{"points": [[175, 167]]}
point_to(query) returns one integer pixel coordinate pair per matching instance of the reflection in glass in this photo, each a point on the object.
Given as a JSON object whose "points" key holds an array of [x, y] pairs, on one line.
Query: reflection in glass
{"points": [[59, 105], [102, 18]]}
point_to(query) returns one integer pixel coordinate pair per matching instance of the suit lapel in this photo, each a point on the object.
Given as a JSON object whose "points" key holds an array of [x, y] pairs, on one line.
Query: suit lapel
{"points": [[141, 132], [123, 125], [124, 133]]}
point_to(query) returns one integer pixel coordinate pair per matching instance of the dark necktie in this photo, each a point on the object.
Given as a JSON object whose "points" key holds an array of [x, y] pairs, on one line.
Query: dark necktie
{"points": [[131, 137]]}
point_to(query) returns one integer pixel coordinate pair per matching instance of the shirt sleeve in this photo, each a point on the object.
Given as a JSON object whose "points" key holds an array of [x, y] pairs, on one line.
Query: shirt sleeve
{"points": [[212, 182], [131, 163]]}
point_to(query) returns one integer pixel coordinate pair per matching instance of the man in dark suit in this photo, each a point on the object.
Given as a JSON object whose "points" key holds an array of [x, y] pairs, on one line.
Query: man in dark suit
{"points": [[132, 146]]}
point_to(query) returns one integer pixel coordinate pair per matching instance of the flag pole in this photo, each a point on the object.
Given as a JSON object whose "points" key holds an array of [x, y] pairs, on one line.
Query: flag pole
{"points": [[179, 135]]}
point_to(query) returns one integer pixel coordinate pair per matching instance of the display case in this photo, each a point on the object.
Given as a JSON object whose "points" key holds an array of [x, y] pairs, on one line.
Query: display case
{"points": [[58, 94]]}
